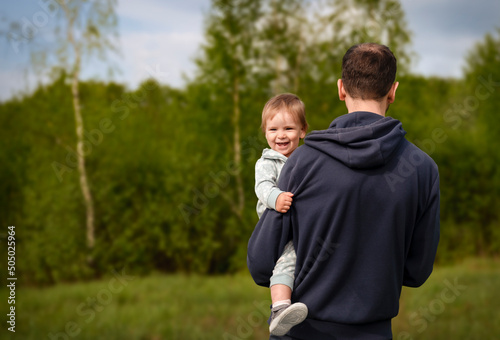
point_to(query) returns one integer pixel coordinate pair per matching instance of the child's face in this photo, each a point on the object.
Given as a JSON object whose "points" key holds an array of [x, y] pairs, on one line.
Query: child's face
{"points": [[283, 133]]}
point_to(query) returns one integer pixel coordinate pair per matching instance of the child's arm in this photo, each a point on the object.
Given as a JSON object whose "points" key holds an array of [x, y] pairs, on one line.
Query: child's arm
{"points": [[266, 181], [266, 188]]}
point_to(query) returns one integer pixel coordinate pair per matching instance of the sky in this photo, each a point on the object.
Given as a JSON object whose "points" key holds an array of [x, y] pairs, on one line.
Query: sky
{"points": [[160, 39]]}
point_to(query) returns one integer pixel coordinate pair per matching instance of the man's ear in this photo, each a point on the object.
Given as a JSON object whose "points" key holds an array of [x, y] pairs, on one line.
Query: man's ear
{"points": [[392, 93], [342, 93]]}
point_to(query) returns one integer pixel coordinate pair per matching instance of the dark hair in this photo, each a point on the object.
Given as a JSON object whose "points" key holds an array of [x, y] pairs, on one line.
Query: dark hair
{"points": [[368, 71]]}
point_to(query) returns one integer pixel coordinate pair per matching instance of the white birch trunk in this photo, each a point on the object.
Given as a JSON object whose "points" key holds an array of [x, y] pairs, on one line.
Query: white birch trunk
{"points": [[75, 91]]}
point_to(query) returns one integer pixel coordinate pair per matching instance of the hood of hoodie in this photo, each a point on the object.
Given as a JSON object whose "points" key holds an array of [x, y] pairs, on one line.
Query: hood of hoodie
{"points": [[360, 139]]}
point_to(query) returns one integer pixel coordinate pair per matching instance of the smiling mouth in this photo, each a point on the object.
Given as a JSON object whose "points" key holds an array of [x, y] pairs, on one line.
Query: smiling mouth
{"points": [[283, 144]]}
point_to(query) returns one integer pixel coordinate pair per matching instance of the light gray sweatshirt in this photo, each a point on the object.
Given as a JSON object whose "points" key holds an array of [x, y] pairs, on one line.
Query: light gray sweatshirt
{"points": [[267, 172]]}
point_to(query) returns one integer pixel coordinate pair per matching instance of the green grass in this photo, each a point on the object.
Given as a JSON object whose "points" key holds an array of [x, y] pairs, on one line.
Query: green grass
{"points": [[233, 307], [457, 302]]}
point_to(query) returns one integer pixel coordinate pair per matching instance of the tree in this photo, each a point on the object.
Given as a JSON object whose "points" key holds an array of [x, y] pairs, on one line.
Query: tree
{"points": [[379, 21], [284, 43], [86, 27], [229, 57], [482, 76], [478, 113]]}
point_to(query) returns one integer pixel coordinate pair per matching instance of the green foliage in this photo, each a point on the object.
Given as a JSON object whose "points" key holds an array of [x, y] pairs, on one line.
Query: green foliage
{"points": [[160, 185], [161, 162], [474, 156]]}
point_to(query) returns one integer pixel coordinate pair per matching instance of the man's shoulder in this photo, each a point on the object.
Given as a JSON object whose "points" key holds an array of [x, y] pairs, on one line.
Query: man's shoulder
{"points": [[417, 157], [303, 152]]}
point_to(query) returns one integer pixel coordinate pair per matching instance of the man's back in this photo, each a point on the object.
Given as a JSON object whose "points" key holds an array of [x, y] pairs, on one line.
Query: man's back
{"points": [[363, 224], [365, 216]]}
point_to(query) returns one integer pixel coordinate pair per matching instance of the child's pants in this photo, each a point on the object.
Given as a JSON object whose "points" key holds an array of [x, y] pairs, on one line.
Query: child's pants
{"points": [[284, 270]]}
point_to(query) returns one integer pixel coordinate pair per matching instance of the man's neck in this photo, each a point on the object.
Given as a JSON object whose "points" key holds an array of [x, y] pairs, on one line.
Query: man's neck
{"points": [[374, 106]]}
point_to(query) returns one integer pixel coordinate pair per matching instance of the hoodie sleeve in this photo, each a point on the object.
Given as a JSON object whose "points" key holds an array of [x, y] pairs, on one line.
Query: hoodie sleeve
{"points": [[268, 240], [425, 239]]}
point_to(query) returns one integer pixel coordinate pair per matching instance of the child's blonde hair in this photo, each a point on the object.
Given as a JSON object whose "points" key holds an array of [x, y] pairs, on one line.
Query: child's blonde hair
{"points": [[286, 102]]}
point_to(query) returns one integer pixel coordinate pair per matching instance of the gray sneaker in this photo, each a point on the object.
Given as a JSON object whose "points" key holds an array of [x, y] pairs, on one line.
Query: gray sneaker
{"points": [[285, 317]]}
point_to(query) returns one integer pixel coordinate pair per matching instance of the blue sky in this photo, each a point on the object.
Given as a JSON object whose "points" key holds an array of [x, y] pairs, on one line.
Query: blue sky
{"points": [[160, 38]]}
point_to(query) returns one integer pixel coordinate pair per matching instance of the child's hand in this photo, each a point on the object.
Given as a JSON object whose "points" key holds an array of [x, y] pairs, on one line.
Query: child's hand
{"points": [[284, 202]]}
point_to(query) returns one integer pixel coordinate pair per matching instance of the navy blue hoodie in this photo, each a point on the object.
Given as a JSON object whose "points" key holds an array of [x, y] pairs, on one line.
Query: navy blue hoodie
{"points": [[364, 222]]}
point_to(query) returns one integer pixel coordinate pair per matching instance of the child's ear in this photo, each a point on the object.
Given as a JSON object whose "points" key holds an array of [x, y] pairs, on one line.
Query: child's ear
{"points": [[302, 133]]}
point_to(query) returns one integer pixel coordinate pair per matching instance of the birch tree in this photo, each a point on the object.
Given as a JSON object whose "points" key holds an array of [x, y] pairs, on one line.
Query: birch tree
{"points": [[87, 27], [84, 29]]}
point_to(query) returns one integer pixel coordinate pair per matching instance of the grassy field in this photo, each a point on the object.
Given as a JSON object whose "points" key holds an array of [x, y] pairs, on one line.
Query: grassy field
{"points": [[457, 302]]}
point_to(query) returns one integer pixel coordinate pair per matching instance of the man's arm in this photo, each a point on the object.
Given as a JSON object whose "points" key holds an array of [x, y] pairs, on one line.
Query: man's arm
{"points": [[425, 239], [266, 245]]}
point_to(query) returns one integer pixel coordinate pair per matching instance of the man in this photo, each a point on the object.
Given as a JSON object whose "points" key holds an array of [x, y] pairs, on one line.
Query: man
{"points": [[365, 216]]}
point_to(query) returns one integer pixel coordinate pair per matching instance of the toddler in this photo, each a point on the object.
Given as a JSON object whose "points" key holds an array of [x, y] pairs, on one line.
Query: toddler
{"points": [[284, 124]]}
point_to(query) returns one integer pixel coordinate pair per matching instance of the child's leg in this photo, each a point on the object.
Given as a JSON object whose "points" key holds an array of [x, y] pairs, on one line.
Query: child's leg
{"points": [[280, 293], [284, 314], [283, 276]]}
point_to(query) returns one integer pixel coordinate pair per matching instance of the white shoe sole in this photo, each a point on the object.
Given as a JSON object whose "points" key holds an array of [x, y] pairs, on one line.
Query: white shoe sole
{"points": [[290, 317]]}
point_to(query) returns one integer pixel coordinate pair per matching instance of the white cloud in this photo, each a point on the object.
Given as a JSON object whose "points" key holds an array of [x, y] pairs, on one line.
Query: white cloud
{"points": [[164, 56], [11, 82], [443, 57], [18, 82], [159, 37], [445, 30]]}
